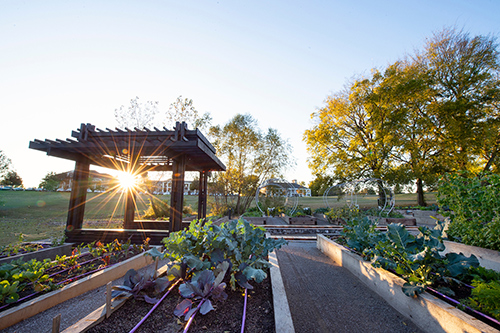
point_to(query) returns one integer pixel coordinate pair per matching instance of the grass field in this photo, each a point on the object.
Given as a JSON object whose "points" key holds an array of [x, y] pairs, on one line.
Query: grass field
{"points": [[42, 215]]}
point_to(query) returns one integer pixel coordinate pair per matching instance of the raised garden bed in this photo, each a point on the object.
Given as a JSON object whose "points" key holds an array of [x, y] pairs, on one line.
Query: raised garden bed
{"points": [[46, 251], [261, 302], [256, 220], [487, 258], [403, 221], [300, 220], [25, 310], [426, 311]]}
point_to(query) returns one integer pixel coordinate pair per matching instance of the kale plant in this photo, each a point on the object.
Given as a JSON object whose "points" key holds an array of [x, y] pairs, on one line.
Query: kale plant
{"points": [[134, 285], [204, 285], [205, 245]]}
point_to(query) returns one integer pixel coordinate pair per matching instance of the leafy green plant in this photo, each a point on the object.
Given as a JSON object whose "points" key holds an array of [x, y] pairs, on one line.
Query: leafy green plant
{"points": [[8, 292], [321, 210], [341, 215], [474, 203], [58, 241], [204, 245], [306, 211], [19, 247], [360, 235], [253, 212], [415, 258], [485, 297]]}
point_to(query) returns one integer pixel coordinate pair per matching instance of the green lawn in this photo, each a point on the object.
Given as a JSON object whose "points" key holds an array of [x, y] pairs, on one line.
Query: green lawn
{"points": [[41, 215]]}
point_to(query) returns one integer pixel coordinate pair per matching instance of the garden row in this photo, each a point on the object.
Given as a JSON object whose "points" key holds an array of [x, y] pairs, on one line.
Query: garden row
{"points": [[425, 269], [22, 280], [204, 259]]}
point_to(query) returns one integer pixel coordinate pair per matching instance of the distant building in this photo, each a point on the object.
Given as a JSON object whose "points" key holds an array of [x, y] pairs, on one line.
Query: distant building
{"points": [[297, 190], [292, 189], [165, 187], [99, 182]]}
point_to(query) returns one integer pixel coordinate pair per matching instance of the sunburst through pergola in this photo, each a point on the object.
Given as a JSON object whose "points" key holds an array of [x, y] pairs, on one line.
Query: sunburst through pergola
{"points": [[133, 152]]}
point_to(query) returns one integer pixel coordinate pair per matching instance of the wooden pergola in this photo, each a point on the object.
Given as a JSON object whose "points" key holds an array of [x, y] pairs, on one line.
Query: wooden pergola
{"points": [[135, 151]]}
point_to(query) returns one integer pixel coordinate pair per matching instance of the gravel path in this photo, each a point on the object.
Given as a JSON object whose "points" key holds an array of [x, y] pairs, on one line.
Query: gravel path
{"points": [[325, 297]]}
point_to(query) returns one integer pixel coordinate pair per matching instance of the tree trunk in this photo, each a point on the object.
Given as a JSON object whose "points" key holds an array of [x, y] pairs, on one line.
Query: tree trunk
{"points": [[420, 193], [381, 194], [491, 160]]}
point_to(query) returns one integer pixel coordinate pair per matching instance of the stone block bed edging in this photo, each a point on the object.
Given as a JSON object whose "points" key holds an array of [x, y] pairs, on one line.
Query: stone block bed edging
{"points": [[93, 281], [282, 316], [426, 311], [50, 252]]}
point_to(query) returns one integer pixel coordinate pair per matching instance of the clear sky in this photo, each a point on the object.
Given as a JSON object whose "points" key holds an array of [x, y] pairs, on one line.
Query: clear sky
{"points": [[63, 63]]}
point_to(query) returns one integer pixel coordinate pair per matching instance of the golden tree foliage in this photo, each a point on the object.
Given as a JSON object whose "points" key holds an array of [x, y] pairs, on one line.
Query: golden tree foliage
{"points": [[434, 112]]}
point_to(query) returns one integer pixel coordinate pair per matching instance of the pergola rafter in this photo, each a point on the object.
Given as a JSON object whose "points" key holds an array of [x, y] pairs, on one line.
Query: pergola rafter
{"points": [[137, 151]]}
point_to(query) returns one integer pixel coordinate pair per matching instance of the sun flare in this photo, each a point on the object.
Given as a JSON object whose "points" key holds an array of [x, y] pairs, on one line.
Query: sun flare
{"points": [[127, 180]]}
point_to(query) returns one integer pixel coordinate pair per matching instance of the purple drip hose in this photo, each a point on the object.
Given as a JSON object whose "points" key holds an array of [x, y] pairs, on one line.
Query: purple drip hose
{"points": [[244, 311], [59, 272], [154, 307], [466, 307]]}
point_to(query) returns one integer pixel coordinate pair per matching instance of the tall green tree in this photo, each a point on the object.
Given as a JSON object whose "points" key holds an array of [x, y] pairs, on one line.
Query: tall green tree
{"points": [[414, 134], [50, 182], [250, 156], [4, 163], [320, 184], [11, 178], [464, 72], [349, 140]]}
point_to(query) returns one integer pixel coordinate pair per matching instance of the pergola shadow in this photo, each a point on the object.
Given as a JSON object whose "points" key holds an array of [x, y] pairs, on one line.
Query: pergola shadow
{"points": [[135, 151]]}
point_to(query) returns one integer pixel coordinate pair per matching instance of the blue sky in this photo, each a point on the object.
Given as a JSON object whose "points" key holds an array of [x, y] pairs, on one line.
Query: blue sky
{"points": [[63, 63]]}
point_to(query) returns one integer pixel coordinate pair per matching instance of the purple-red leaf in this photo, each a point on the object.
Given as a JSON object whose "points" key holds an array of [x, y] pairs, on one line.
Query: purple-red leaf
{"points": [[150, 300], [206, 307], [186, 290], [183, 307], [190, 313]]}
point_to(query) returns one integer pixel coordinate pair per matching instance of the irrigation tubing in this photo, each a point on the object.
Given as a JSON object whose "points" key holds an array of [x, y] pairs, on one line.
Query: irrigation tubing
{"points": [[480, 314], [19, 300], [244, 311], [192, 316], [154, 307], [59, 283]]}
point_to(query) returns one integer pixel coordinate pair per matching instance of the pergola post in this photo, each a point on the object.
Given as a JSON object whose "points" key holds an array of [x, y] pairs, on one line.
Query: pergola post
{"points": [[202, 195], [177, 196], [78, 196], [128, 219]]}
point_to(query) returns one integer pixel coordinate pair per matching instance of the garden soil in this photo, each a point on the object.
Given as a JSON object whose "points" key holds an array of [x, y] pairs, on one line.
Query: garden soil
{"points": [[323, 297]]}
